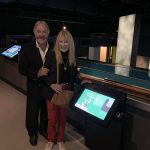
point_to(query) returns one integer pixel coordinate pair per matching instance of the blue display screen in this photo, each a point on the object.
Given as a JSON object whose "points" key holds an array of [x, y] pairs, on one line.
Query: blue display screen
{"points": [[95, 103], [12, 51]]}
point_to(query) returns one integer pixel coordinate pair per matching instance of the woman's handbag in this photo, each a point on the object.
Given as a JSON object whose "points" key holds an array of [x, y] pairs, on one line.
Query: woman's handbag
{"points": [[62, 99]]}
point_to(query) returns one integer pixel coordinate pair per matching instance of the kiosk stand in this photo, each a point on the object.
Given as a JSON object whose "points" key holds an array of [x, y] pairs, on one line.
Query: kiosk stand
{"points": [[98, 137], [104, 110]]}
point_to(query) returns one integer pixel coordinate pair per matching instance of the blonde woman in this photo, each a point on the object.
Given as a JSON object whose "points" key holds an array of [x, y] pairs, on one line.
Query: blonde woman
{"points": [[64, 55]]}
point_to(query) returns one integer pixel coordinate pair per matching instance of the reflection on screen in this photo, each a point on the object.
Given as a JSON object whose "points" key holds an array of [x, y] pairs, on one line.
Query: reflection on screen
{"points": [[95, 103], [12, 51]]}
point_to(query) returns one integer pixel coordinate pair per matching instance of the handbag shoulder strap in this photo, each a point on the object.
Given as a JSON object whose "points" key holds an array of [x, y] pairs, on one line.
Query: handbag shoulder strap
{"points": [[57, 72]]}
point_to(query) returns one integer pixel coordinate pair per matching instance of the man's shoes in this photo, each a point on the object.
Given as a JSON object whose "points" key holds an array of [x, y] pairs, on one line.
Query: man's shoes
{"points": [[44, 134], [49, 146], [61, 146], [33, 140]]}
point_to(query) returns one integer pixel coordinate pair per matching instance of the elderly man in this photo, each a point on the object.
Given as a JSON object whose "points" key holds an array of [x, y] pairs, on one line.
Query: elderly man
{"points": [[31, 60]]}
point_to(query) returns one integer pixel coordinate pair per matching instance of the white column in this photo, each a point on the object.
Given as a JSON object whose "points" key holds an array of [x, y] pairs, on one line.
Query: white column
{"points": [[124, 43]]}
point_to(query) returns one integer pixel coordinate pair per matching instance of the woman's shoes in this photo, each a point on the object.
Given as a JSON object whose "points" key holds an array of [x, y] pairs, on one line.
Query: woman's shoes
{"points": [[49, 146], [61, 146]]}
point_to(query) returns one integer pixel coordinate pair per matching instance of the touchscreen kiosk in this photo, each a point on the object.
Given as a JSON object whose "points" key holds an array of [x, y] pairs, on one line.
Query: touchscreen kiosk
{"points": [[103, 109], [100, 104], [12, 51], [94, 103]]}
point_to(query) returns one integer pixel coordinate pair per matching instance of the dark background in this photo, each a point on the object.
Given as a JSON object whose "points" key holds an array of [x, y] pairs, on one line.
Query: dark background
{"points": [[85, 19]]}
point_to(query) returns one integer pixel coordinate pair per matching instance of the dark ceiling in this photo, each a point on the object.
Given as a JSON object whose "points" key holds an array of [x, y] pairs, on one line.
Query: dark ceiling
{"points": [[82, 17]]}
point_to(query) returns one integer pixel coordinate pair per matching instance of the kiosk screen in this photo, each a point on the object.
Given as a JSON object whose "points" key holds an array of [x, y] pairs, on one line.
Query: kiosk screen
{"points": [[12, 51], [95, 103]]}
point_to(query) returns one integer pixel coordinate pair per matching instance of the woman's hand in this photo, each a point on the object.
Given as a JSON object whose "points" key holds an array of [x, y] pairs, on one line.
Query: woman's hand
{"points": [[56, 87], [85, 81]]}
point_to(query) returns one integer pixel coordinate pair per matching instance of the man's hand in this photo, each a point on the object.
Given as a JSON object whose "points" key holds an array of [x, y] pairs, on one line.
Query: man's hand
{"points": [[43, 71]]}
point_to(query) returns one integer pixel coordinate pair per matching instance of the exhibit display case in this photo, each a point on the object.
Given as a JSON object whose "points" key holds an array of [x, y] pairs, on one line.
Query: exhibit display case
{"points": [[136, 82]]}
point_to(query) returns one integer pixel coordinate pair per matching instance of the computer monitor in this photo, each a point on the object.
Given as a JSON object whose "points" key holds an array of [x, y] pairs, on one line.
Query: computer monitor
{"points": [[12, 51], [99, 103]]}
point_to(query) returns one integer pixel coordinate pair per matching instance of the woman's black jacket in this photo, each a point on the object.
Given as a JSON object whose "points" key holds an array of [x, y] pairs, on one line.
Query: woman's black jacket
{"points": [[51, 78]]}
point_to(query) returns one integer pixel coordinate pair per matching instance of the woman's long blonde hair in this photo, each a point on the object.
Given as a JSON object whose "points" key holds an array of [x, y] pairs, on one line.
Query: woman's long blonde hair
{"points": [[71, 51]]}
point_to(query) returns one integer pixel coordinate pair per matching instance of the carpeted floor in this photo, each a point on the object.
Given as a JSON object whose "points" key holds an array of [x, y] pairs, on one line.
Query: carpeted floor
{"points": [[13, 135]]}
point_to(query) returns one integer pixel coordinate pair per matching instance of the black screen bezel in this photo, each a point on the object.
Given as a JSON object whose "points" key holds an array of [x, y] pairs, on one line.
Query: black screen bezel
{"points": [[118, 95]]}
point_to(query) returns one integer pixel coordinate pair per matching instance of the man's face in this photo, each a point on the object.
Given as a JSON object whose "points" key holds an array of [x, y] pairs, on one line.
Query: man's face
{"points": [[41, 34]]}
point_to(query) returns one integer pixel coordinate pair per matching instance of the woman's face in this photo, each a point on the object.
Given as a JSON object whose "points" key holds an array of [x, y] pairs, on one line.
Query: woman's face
{"points": [[63, 44]]}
